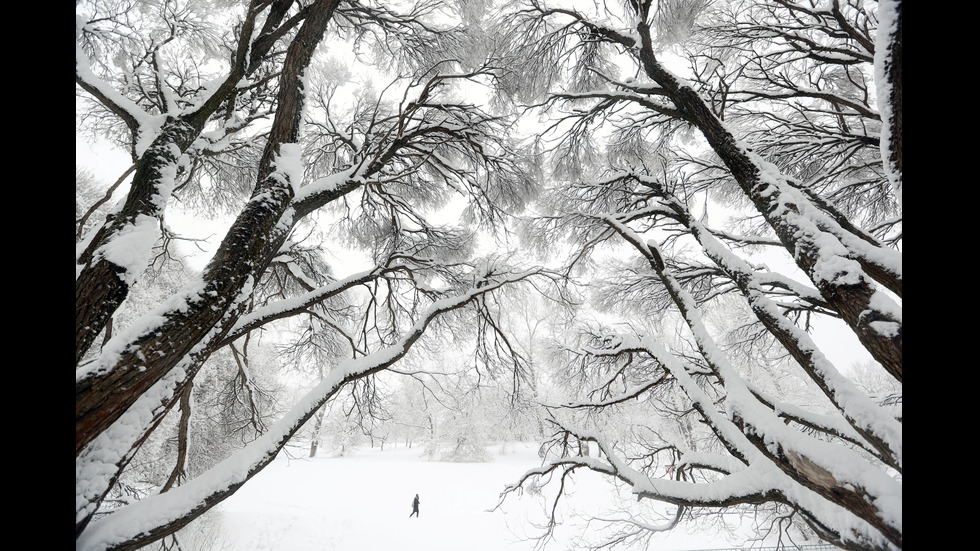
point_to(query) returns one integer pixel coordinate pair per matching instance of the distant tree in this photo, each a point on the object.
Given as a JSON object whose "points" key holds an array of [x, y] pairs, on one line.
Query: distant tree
{"points": [[91, 205], [411, 413], [466, 423], [220, 108], [780, 142]]}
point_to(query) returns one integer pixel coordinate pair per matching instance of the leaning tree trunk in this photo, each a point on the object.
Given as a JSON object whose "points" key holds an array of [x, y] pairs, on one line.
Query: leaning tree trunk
{"points": [[104, 281], [106, 391], [850, 292]]}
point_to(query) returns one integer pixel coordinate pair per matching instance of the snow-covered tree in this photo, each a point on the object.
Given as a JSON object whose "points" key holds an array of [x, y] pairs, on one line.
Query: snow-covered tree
{"points": [[411, 413], [759, 174], [221, 109], [725, 177]]}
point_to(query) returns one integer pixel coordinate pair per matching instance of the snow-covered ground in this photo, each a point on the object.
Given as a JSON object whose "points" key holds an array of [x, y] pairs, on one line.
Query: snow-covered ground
{"points": [[363, 501]]}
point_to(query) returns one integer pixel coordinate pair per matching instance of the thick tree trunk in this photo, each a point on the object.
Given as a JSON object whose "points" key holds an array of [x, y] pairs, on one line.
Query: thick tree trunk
{"points": [[97, 296], [891, 90], [104, 281], [101, 397], [103, 284], [811, 475], [103, 394]]}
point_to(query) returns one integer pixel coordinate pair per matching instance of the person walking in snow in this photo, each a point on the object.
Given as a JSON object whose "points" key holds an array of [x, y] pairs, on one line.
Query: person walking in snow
{"points": [[415, 506]]}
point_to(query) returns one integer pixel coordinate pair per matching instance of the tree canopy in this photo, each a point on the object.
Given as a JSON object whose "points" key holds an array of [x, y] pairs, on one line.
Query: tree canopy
{"points": [[627, 222]]}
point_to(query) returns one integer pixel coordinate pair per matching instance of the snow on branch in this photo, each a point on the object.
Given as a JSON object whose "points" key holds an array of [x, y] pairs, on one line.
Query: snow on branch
{"points": [[755, 433], [747, 477], [143, 521], [135, 117]]}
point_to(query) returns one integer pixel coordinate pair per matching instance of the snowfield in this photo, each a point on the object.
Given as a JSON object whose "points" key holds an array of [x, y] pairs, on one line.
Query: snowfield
{"points": [[362, 502]]}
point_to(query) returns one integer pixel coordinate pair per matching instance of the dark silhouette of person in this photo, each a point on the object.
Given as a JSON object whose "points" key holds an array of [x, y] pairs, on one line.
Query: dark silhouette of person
{"points": [[415, 506]]}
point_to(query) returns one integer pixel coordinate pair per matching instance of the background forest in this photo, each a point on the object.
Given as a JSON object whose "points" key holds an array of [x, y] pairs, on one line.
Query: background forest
{"points": [[660, 240]]}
